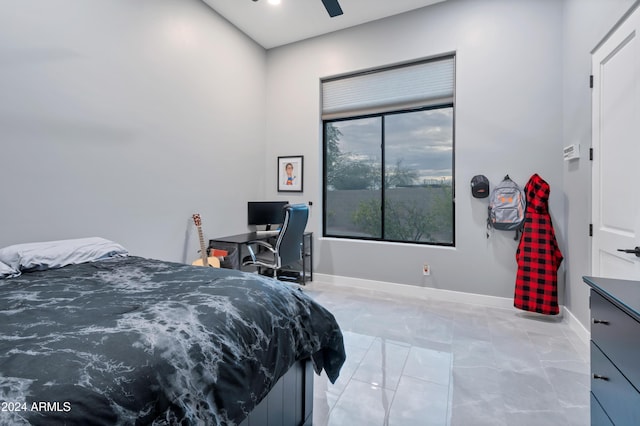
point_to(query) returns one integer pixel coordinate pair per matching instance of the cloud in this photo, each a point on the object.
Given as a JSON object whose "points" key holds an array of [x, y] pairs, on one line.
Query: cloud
{"points": [[421, 140]]}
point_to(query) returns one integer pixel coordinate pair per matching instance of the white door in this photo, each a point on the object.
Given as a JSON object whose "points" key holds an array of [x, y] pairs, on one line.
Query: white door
{"points": [[616, 159]]}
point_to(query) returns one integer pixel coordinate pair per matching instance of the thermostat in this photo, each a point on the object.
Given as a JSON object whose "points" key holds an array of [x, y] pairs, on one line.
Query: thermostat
{"points": [[571, 152]]}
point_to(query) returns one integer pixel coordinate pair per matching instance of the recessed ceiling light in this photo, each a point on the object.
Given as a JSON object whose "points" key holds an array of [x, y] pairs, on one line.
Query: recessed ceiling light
{"points": [[274, 1]]}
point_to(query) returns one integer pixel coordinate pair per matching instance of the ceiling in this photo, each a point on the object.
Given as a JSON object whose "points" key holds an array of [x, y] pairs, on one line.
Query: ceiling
{"points": [[293, 20]]}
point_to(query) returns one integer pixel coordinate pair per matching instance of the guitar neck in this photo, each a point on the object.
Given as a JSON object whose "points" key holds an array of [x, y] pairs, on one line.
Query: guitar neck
{"points": [[203, 251]]}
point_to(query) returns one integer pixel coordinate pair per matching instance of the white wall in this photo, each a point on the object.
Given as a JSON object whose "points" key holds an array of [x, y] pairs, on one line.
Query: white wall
{"points": [[586, 22], [121, 118], [508, 121]]}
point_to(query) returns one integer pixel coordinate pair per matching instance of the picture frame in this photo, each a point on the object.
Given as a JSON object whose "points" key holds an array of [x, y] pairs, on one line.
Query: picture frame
{"points": [[290, 173]]}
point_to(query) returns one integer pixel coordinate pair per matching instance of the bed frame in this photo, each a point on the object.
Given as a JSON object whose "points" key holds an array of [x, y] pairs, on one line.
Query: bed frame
{"points": [[289, 403]]}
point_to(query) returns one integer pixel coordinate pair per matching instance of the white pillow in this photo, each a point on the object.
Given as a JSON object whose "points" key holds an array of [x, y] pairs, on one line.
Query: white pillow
{"points": [[7, 271], [56, 254]]}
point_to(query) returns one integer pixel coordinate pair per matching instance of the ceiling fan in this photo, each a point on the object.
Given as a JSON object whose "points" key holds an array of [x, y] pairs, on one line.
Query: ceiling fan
{"points": [[332, 6]]}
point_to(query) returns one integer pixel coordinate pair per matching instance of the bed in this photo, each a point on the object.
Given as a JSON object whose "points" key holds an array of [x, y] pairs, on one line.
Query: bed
{"points": [[121, 339]]}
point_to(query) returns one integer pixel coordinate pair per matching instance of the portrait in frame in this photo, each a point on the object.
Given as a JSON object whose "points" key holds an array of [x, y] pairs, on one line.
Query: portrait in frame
{"points": [[290, 173]]}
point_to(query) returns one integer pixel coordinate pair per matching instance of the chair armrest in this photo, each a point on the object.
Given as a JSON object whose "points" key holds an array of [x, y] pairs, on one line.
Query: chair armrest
{"points": [[261, 244]]}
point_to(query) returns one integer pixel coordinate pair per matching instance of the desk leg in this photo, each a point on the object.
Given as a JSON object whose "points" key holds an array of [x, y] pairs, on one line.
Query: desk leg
{"points": [[239, 256], [307, 252], [311, 257], [304, 264]]}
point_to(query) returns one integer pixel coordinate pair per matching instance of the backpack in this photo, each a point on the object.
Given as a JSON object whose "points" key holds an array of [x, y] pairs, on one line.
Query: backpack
{"points": [[507, 205]]}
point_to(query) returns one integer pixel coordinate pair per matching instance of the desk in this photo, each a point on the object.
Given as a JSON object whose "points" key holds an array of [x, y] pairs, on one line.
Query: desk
{"points": [[240, 240]]}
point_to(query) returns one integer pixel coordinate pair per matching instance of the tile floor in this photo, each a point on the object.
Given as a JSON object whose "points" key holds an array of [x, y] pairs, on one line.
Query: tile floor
{"points": [[414, 362]]}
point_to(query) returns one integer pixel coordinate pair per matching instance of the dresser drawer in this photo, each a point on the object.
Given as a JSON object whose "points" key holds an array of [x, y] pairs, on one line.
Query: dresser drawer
{"points": [[617, 335], [598, 416], [618, 398]]}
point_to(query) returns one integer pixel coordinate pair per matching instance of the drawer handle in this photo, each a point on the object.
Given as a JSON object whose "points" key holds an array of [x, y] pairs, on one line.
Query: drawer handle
{"points": [[599, 377], [597, 321]]}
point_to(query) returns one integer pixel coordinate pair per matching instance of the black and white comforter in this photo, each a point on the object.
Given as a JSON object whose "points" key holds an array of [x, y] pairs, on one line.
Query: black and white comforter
{"points": [[139, 341]]}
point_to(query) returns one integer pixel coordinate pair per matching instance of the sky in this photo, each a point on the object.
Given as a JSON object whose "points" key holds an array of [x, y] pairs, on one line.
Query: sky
{"points": [[420, 140]]}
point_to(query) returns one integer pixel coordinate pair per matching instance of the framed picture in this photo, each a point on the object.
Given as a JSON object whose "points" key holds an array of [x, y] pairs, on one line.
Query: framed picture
{"points": [[290, 172]]}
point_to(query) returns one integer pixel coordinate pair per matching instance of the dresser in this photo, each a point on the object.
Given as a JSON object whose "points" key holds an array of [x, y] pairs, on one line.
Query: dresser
{"points": [[615, 351]]}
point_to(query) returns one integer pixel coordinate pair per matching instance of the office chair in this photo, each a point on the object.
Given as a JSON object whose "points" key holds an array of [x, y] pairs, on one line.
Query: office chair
{"points": [[288, 246]]}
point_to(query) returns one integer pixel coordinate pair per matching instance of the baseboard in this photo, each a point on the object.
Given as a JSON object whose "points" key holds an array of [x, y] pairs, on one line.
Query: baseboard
{"points": [[577, 326], [414, 292], [428, 293]]}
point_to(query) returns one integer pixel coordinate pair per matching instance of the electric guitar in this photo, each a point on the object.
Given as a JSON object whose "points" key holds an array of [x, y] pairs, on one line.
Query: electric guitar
{"points": [[214, 262]]}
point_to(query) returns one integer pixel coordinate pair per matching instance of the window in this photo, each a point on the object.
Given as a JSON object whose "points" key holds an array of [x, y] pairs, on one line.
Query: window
{"points": [[388, 154]]}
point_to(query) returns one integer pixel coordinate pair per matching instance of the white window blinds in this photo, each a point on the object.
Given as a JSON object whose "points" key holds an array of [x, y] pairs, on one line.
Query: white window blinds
{"points": [[403, 87]]}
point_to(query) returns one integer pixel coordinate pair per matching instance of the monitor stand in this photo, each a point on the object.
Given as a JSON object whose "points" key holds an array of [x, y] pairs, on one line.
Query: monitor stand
{"points": [[267, 231]]}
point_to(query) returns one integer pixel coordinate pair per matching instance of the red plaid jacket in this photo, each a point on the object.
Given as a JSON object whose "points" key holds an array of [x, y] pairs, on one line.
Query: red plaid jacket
{"points": [[538, 254]]}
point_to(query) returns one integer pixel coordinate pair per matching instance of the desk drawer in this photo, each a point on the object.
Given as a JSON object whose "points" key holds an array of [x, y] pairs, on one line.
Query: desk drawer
{"points": [[616, 334], [617, 397]]}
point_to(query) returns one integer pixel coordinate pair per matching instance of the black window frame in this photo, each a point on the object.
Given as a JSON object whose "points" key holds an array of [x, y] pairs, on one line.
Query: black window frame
{"points": [[382, 174]]}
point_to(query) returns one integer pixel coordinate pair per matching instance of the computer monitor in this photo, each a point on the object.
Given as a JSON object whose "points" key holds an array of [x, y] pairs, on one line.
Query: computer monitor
{"points": [[266, 213]]}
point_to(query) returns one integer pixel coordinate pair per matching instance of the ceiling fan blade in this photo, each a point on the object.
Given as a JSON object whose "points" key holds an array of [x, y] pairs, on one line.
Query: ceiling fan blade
{"points": [[333, 7]]}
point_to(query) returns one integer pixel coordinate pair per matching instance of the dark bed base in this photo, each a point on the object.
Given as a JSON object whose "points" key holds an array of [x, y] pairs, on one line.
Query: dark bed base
{"points": [[289, 403]]}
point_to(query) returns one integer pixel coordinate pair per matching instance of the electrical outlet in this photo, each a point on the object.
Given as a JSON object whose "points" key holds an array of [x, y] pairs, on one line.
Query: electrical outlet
{"points": [[426, 269]]}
